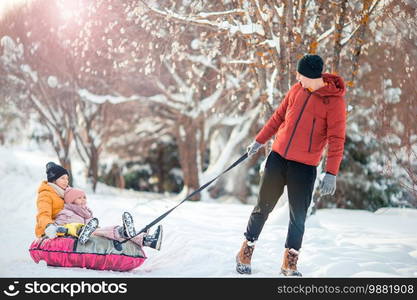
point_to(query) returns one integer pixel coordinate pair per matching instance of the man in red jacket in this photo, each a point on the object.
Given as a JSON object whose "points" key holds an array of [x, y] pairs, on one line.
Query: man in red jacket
{"points": [[311, 116]]}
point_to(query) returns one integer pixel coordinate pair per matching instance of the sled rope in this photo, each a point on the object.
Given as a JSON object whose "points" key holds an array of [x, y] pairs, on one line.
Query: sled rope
{"points": [[144, 229]]}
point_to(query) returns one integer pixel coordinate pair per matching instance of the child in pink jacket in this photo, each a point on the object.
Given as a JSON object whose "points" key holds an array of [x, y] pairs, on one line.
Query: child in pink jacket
{"points": [[76, 211]]}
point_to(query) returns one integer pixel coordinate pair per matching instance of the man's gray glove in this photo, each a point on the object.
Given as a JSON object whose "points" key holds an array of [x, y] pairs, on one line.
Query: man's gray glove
{"points": [[253, 148], [51, 230], [328, 185]]}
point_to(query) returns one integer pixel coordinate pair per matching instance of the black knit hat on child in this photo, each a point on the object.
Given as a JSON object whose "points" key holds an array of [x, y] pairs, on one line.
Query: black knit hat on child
{"points": [[310, 66], [54, 171]]}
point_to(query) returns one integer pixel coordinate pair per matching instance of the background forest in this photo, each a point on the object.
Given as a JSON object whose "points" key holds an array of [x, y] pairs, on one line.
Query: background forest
{"points": [[162, 96]]}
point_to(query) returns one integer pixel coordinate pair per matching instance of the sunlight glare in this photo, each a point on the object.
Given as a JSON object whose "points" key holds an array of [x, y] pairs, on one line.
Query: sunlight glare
{"points": [[6, 5], [68, 9]]}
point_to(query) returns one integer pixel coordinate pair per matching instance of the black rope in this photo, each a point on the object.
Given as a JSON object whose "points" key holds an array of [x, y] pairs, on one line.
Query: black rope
{"points": [[145, 229]]}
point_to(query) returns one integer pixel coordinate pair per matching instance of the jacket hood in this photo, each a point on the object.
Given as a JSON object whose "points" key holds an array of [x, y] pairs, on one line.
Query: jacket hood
{"points": [[51, 188], [46, 187], [335, 86]]}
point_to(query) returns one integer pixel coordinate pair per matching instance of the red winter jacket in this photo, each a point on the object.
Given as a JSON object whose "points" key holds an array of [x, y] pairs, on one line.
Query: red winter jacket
{"points": [[306, 121]]}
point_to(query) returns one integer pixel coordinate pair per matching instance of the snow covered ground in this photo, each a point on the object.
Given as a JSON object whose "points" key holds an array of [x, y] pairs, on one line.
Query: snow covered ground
{"points": [[201, 239]]}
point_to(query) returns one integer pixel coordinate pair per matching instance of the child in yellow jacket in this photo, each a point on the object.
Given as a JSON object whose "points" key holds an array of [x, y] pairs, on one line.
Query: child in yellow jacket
{"points": [[50, 204], [50, 198], [51, 218]]}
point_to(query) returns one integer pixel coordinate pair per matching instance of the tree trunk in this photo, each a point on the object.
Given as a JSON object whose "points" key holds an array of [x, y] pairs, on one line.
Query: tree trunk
{"points": [[360, 40], [339, 24], [93, 169], [241, 188], [186, 136], [217, 141], [160, 170], [66, 163]]}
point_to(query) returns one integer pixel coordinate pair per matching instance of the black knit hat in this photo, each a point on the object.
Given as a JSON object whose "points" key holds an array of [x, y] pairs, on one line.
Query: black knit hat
{"points": [[54, 171], [310, 66]]}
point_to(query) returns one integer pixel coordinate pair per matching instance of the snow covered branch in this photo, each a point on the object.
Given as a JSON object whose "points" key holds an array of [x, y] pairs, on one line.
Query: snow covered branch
{"points": [[246, 29], [220, 13]]}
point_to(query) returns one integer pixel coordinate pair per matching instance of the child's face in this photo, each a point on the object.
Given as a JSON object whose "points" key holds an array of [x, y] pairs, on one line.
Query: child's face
{"points": [[80, 201], [62, 181]]}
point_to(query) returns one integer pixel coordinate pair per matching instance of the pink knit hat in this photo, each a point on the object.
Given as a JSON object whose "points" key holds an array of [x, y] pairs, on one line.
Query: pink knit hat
{"points": [[71, 194]]}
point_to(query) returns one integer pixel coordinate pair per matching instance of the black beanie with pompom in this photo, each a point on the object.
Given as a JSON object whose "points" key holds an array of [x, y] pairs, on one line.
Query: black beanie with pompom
{"points": [[54, 171]]}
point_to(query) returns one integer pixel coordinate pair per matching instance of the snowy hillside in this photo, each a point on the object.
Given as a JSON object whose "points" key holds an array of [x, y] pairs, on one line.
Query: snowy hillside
{"points": [[201, 239]]}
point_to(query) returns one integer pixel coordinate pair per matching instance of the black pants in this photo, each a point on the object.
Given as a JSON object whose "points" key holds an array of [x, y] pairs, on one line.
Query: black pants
{"points": [[299, 179]]}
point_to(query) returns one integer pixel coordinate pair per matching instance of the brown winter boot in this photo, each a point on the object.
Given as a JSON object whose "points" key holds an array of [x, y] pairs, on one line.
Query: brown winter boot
{"points": [[289, 264], [244, 256]]}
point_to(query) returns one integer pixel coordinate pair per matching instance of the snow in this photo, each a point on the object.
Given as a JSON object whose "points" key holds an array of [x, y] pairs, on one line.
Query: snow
{"points": [[208, 103], [264, 16], [138, 168], [246, 28], [238, 134], [195, 44], [271, 43], [9, 45], [201, 238], [392, 95], [182, 132], [220, 13], [86, 94], [32, 74], [202, 59], [147, 126], [52, 81], [164, 100], [325, 34], [237, 61], [270, 86]]}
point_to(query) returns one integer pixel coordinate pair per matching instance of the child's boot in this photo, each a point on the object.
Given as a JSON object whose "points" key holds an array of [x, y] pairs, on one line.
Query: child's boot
{"points": [[128, 225], [154, 241], [87, 230]]}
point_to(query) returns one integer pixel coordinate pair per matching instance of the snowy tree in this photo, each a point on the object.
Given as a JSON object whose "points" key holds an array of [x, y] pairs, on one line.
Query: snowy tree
{"points": [[389, 77], [45, 61], [28, 75], [185, 109], [273, 36], [207, 75]]}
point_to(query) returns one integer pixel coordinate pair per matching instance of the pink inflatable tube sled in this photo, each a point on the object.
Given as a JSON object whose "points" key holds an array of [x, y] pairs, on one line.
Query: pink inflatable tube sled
{"points": [[98, 253]]}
